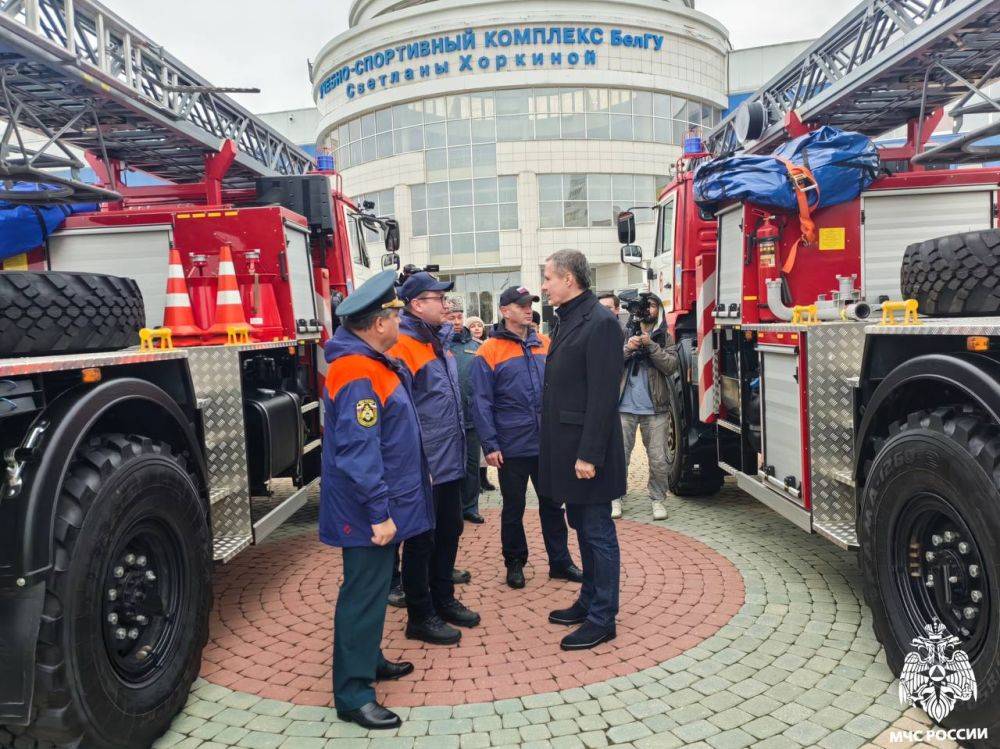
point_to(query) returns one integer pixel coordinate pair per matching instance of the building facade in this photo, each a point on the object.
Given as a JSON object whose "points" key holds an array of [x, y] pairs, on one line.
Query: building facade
{"points": [[498, 131]]}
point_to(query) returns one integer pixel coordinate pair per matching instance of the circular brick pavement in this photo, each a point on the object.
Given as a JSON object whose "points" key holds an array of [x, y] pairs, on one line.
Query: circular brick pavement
{"points": [[271, 626]]}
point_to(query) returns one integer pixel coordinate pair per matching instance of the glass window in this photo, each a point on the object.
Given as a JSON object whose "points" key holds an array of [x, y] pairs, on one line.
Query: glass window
{"points": [[508, 215], [645, 189], [409, 139], [484, 131], [484, 160], [486, 307], [458, 133], [418, 197], [508, 189], [488, 241], [483, 104], [546, 100], [462, 219], [621, 188], [642, 103], [513, 101], [440, 248], [661, 105], [643, 128], [621, 127], [574, 126], [487, 218], [458, 108], [575, 213], [575, 186], [460, 162], [546, 126], [463, 245], [461, 192], [367, 125], [550, 214], [485, 191], [600, 213], [436, 164], [599, 186], [368, 149], [598, 127], [435, 135], [437, 194], [383, 120], [596, 99], [435, 110], [437, 221], [665, 230], [356, 153], [513, 128], [662, 130], [621, 101], [550, 187], [404, 115], [354, 128], [384, 145], [573, 100], [419, 223]]}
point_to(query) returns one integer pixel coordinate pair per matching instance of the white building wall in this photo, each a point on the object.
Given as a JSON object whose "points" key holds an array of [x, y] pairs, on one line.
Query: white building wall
{"points": [[751, 68]]}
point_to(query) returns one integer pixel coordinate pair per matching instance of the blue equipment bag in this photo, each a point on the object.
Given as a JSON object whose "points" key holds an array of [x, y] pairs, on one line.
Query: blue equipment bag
{"points": [[24, 227], [843, 164]]}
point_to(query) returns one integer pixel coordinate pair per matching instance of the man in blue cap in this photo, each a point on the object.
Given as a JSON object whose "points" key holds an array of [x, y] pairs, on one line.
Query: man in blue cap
{"points": [[429, 558], [375, 491]]}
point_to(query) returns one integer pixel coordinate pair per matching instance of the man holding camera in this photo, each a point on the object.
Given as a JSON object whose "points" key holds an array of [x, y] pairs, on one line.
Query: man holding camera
{"points": [[645, 393]]}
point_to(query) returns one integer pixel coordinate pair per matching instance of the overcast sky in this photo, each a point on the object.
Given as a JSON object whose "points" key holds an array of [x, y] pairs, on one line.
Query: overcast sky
{"points": [[247, 43]]}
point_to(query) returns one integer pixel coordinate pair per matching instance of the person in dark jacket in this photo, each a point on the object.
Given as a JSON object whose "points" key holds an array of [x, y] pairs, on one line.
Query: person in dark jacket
{"points": [[429, 558], [507, 379], [582, 458], [463, 347], [376, 489]]}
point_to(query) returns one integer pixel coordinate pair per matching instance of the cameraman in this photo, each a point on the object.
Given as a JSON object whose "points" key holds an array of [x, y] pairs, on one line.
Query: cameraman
{"points": [[644, 399]]}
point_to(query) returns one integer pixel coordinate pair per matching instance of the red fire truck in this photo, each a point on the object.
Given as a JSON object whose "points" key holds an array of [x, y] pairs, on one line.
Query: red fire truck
{"points": [[128, 469], [839, 407]]}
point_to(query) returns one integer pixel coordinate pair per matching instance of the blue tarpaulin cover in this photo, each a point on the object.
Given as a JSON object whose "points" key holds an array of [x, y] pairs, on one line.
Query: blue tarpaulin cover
{"points": [[24, 227], [843, 163]]}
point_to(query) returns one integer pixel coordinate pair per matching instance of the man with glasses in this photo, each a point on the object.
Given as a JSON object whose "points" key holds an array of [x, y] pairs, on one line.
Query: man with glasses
{"points": [[429, 558]]}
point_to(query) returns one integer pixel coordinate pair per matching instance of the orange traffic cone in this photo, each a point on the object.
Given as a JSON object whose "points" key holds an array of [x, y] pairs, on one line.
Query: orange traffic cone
{"points": [[177, 312], [228, 305]]}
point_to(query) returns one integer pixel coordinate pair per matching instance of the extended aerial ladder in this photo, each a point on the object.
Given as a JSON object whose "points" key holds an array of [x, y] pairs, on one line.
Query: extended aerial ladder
{"points": [[84, 78], [887, 64]]}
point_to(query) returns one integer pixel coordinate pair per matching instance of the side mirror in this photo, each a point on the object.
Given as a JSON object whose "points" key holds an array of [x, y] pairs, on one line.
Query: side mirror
{"points": [[626, 227], [631, 254], [390, 260], [392, 238]]}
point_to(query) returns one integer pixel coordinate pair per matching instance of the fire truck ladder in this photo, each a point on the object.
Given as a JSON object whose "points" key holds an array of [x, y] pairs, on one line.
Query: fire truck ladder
{"points": [[886, 64], [79, 77]]}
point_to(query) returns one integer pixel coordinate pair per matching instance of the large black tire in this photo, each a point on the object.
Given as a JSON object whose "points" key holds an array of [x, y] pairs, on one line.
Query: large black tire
{"points": [[954, 275], [931, 508], [47, 312], [692, 467], [129, 506]]}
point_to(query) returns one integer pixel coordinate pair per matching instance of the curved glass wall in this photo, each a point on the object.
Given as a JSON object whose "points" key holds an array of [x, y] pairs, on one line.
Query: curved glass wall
{"points": [[487, 117]]}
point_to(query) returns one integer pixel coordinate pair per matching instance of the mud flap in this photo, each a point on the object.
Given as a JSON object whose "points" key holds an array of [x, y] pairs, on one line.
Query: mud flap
{"points": [[22, 617]]}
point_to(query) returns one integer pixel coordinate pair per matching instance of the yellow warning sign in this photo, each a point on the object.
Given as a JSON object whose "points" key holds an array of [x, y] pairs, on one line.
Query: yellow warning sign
{"points": [[832, 238]]}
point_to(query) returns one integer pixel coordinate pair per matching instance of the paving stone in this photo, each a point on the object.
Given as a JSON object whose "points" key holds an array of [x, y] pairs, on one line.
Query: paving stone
{"points": [[303, 742], [735, 738], [208, 730], [593, 739], [696, 731], [505, 737], [760, 705], [731, 718], [306, 712], [513, 720], [831, 717], [564, 712], [764, 727], [230, 735], [628, 732], [865, 726], [451, 726], [436, 742], [548, 699], [660, 741], [473, 711], [591, 723], [841, 740], [306, 728], [232, 716], [261, 740], [534, 733], [418, 727], [806, 733], [566, 742], [475, 741], [430, 713]]}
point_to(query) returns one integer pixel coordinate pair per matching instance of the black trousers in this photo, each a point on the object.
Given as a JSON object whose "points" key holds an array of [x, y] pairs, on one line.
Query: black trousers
{"points": [[514, 475], [470, 486], [429, 558], [358, 624]]}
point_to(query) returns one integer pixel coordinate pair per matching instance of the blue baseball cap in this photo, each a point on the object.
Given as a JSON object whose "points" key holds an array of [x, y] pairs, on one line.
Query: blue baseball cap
{"points": [[420, 282]]}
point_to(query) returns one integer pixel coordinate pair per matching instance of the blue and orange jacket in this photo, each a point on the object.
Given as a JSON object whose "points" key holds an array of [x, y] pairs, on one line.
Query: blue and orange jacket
{"points": [[436, 393], [507, 378], [373, 462]]}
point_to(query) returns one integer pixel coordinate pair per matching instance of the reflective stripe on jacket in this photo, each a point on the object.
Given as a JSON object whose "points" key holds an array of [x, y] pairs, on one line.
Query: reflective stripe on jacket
{"points": [[373, 462], [436, 394], [507, 379]]}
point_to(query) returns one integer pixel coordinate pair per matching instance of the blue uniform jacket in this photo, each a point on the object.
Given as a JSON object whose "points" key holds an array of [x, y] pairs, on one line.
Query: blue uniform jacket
{"points": [[463, 347], [436, 394], [373, 462], [507, 378]]}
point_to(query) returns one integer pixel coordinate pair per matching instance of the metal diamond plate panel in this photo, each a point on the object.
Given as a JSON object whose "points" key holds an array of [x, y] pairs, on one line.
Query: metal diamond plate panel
{"points": [[60, 362], [834, 352], [942, 326], [215, 373]]}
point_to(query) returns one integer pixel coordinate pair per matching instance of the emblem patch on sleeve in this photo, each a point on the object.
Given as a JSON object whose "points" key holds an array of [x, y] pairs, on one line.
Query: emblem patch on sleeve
{"points": [[367, 412]]}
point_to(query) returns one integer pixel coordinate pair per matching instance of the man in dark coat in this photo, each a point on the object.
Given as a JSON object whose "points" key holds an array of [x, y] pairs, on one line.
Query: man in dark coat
{"points": [[582, 457]]}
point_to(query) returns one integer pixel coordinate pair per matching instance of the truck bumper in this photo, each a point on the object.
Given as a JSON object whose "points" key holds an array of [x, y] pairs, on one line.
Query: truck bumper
{"points": [[20, 618]]}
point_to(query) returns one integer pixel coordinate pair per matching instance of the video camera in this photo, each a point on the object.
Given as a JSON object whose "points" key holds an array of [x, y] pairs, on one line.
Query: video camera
{"points": [[637, 303], [409, 269]]}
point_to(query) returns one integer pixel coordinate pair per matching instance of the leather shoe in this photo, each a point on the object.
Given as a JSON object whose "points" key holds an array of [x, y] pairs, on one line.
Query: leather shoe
{"points": [[460, 577], [389, 671], [397, 597], [572, 573], [372, 716], [515, 576], [457, 614], [433, 630], [474, 517], [587, 636], [575, 614]]}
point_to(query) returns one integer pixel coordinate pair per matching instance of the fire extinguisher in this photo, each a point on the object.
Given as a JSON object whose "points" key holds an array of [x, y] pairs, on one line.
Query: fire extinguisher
{"points": [[766, 238]]}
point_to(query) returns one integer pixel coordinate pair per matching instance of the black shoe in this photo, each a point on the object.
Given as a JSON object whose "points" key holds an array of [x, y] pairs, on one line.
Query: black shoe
{"points": [[372, 716], [433, 630], [572, 573], [474, 517], [397, 597], [457, 614], [587, 636], [575, 614], [460, 577], [484, 482], [515, 576], [389, 671]]}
